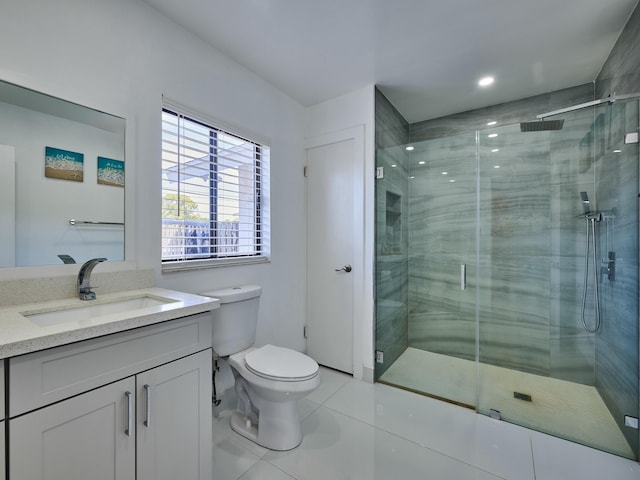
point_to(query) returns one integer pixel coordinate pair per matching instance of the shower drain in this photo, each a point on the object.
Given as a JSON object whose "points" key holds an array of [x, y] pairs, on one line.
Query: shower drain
{"points": [[522, 396]]}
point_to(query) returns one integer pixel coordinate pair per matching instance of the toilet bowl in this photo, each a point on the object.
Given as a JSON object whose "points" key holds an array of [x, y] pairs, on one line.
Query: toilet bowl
{"points": [[269, 380]]}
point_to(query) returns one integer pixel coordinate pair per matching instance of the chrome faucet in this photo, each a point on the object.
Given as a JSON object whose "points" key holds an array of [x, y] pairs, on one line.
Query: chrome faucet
{"points": [[84, 276]]}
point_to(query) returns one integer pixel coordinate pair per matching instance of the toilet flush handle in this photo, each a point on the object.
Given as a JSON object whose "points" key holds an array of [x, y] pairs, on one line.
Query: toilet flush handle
{"points": [[346, 268]]}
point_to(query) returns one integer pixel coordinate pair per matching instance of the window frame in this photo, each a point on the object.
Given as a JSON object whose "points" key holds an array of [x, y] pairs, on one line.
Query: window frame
{"points": [[261, 192]]}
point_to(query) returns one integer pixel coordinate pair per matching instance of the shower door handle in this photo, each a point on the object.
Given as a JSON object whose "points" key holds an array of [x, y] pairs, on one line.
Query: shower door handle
{"points": [[346, 268], [463, 276]]}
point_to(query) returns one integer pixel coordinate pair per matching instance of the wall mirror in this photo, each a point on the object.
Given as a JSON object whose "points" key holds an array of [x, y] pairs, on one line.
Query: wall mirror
{"points": [[62, 170]]}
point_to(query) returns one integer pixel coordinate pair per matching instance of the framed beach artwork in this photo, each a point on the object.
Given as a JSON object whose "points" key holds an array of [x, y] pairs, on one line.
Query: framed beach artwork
{"points": [[110, 172], [63, 164]]}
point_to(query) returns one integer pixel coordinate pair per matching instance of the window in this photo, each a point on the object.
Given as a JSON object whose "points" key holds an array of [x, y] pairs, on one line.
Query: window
{"points": [[214, 195]]}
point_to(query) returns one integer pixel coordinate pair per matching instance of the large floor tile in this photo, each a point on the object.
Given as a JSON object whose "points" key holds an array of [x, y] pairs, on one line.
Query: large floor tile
{"points": [[557, 459], [265, 471], [338, 447], [230, 461], [490, 445], [332, 381]]}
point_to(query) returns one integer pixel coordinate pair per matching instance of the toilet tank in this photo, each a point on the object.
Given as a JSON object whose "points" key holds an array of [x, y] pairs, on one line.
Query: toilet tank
{"points": [[234, 323]]}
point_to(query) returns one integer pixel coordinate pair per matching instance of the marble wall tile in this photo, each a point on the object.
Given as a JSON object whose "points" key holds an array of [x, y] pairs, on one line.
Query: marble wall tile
{"points": [[444, 332], [617, 345], [391, 127], [514, 312], [505, 113], [528, 231], [620, 73], [392, 227]]}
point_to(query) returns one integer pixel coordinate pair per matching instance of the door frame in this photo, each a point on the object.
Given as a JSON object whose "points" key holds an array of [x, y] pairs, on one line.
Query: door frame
{"points": [[360, 268]]}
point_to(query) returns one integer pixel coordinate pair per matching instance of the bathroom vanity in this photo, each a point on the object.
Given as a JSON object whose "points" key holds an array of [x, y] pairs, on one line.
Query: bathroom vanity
{"points": [[95, 391]]}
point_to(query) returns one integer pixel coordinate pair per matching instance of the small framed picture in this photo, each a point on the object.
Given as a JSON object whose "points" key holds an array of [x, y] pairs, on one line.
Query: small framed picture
{"points": [[110, 172], [63, 164]]}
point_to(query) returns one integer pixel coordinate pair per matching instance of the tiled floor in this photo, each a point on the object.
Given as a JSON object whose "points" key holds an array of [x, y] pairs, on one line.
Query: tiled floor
{"points": [[355, 430]]}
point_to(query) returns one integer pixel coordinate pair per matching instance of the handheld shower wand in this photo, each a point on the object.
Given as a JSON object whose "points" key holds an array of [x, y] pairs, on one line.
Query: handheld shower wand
{"points": [[590, 218]]}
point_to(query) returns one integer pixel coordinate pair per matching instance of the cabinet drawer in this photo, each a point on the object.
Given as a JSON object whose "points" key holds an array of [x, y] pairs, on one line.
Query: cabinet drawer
{"points": [[44, 377]]}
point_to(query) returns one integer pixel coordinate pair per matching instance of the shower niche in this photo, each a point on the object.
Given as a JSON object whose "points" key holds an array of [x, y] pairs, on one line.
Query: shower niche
{"points": [[393, 224]]}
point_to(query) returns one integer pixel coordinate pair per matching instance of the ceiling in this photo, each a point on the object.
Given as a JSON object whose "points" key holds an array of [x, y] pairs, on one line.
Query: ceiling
{"points": [[426, 56]]}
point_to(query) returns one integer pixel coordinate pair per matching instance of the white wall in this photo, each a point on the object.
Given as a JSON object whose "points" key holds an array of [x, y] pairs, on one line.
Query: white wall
{"points": [[121, 56], [7, 206], [332, 117]]}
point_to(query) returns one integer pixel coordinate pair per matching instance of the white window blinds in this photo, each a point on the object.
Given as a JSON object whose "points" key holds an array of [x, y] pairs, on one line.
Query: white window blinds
{"points": [[214, 186]]}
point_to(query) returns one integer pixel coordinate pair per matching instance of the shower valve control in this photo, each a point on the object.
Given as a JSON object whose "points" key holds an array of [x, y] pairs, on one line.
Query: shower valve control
{"points": [[609, 266]]}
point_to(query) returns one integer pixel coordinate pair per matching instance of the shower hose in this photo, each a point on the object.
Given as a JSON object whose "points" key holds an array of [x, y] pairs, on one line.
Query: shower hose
{"points": [[591, 234]]}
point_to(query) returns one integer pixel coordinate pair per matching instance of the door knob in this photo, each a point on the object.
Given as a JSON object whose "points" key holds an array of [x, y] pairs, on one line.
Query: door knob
{"points": [[346, 268]]}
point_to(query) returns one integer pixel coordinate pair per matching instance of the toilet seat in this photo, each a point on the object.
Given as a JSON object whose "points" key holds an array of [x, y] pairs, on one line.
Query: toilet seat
{"points": [[283, 364]]}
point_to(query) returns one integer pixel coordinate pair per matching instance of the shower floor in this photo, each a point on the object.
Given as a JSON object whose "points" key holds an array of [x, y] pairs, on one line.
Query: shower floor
{"points": [[564, 409]]}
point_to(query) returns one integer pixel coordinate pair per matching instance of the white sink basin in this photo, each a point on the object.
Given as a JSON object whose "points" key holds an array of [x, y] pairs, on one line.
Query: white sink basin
{"points": [[83, 314]]}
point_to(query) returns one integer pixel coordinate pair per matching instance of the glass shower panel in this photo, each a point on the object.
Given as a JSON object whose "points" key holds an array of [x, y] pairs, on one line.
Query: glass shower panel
{"points": [[392, 200], [538, 365], [437, 254]]}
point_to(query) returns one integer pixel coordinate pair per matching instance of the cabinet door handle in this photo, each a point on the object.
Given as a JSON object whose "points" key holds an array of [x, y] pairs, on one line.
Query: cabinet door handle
{"points": [[129, 429], [147, 418]]}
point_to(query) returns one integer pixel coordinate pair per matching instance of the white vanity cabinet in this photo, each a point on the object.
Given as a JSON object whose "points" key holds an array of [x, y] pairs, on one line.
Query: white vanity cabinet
{"points": [[173, 438], [2, 428], [82, 437], [131, 405]]}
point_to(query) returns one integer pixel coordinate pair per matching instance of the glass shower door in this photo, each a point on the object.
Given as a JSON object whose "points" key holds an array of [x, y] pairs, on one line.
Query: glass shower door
{"points": [[538, 365], [426, 250]]}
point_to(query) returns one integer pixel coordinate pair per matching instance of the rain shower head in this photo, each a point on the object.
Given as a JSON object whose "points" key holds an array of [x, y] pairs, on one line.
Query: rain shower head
{"points": [[541, 125]]}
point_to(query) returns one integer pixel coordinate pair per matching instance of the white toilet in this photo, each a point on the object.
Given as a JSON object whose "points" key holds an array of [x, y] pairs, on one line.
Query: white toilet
{"points": [[269, 380]]}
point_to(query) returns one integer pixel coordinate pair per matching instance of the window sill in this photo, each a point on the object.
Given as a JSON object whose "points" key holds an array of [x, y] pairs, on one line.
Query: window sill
{"points": [[212, 263]]}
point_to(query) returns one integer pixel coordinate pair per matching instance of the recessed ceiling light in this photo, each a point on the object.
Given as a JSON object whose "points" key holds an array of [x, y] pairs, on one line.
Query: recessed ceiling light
{"points": [[409, 148], [412, 177], [492, 135], [617, 151], [486, 81], [451, 181], [394, 165], [445, 173], [492, 123], [496, 166], [421, 162], [495, 150]]}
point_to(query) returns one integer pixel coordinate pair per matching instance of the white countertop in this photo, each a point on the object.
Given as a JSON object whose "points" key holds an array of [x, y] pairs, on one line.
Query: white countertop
{"points": [[19, 335]]}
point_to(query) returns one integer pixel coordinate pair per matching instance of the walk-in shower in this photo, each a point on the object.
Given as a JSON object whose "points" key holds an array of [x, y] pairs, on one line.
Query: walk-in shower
{"points": [[506, 210]]}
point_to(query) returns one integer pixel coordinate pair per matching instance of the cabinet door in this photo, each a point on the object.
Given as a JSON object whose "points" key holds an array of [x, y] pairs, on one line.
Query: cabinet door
{"points": [[91, 436], [174, 420], [2, 452]]}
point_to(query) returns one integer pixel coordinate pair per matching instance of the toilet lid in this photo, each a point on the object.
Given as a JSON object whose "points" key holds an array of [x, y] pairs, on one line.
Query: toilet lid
{"points": [[281, 363]]}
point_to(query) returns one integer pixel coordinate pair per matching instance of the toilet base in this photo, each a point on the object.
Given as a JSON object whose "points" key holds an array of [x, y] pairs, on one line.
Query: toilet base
{"points": [[242, 425]]}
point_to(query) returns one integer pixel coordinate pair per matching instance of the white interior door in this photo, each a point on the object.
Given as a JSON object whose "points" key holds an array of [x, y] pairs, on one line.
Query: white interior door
{"points": [[330, 254]]}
